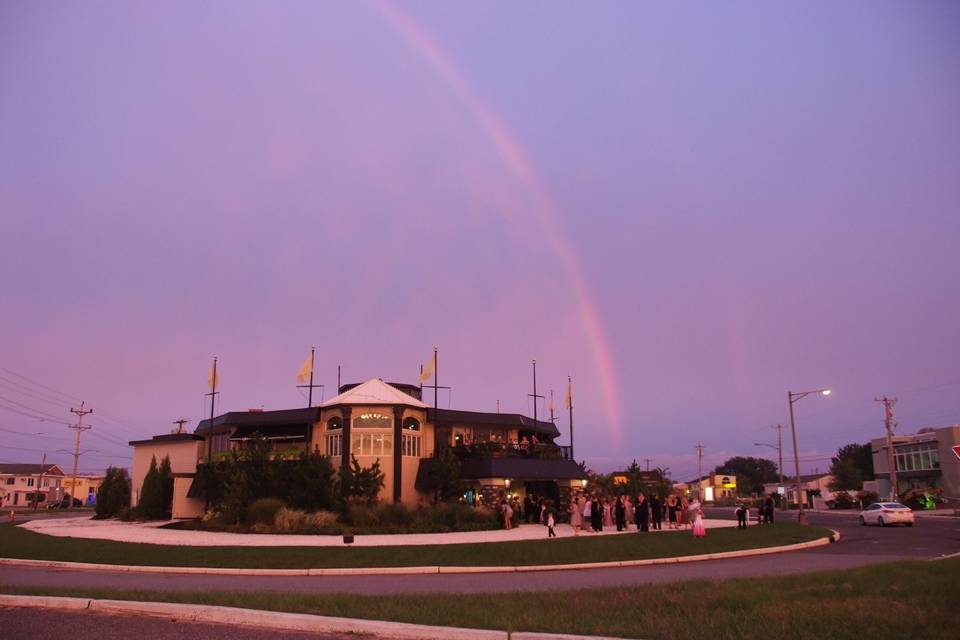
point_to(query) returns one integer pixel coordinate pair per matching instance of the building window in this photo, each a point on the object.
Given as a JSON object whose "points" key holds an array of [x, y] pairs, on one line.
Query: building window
{"points": [[411, 445], [411, 424], [219, 442], [371, 444], [11, 480], [335, 445], [917, 457], [372, 421], [334, 423], [30, 482]]}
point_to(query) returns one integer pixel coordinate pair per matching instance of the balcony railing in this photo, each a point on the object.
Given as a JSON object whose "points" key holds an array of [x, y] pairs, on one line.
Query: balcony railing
{"points": [[538, 451]]}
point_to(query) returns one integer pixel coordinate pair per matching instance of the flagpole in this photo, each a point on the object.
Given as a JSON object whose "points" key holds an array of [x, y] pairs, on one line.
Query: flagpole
{"points": [[570, 407], [436, 383], [310, 392], [534, 394], [213, 397]]}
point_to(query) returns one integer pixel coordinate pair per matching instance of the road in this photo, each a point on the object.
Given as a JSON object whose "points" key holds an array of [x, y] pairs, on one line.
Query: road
{"points": [[24, 624], [930, 538]]}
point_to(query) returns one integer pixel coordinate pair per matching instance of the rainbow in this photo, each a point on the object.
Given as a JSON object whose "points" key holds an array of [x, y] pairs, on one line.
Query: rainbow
{"points": [[519, 165]]}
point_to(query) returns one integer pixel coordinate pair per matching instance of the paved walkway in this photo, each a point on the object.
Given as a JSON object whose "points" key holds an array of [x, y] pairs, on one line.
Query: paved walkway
{"points": [[151, 533]]}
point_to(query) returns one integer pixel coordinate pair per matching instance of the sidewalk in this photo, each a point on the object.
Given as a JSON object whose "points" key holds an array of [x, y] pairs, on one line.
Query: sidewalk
{"points": [[151, 533]]}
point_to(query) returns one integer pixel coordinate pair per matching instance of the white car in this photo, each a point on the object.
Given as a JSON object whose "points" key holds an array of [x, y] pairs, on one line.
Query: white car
{"points": [[884, 513]]}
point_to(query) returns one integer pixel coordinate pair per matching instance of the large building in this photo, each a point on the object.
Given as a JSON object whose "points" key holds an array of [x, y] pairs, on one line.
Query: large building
{"points": [[924, 459], [389, 422], [22, 485]]}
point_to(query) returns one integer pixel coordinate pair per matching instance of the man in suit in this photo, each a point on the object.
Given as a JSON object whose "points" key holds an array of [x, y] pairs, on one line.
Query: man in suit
{"points": [[642, 513], [656, 511]]}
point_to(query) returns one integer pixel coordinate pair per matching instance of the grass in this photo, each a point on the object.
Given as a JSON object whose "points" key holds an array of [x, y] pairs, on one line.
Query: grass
{"points": [[16, 542], [903, 600]]}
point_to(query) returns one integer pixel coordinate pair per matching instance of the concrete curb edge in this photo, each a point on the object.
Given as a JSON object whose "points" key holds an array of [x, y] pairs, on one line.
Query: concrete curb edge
{"points": [[273, 620], [357, 571]]}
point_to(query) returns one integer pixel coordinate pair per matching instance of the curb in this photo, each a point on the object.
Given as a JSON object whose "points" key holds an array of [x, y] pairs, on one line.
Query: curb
{"points": [[428, 570], [260, 619]]}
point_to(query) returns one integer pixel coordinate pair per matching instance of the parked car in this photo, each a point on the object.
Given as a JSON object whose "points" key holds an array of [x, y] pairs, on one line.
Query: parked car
{"points": [[886, 513], [63, 504]]}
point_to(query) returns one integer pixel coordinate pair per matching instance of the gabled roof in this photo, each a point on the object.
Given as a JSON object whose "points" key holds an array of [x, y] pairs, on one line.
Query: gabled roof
{"points": [[452, 416], [31, 469], [374, 391]]}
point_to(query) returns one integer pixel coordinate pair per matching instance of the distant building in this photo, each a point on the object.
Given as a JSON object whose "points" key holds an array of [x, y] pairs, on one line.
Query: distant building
{"points": [[924, 459], [86, 490], [499, 453], [21, 484], [814, 489], [715, 486], [648, 479]]}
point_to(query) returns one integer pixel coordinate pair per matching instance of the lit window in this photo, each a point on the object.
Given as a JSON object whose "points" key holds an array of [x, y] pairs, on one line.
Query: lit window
{"points": [[334, 423], [411, 445], [334, 445], [411, 424]]}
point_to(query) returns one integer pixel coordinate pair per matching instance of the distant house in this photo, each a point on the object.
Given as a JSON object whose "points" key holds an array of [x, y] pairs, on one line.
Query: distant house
{"points": [[715, 486], [814, 487], [86, 489], [22, 484]]}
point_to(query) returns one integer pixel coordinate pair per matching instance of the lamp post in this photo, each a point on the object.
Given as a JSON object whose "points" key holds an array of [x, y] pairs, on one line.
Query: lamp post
{"points": [[779, 449], [791, 398]]}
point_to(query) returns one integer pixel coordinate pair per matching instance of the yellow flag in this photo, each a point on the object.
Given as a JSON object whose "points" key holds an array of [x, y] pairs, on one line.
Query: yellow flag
{"points": [[428, 369], [213, 377], [552, 406], [304, 374], [568, 401]]}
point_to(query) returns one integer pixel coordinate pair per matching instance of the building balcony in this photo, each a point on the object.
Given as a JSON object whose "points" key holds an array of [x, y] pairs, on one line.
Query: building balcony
{"points": [[538, 451]]}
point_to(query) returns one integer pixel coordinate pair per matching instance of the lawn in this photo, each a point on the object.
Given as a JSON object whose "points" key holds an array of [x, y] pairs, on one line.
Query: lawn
{"points": [[894, 601], [16, 542]]}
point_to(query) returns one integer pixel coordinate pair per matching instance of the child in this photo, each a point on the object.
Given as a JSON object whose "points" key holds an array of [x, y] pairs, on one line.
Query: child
{"points": [[550, 522]]}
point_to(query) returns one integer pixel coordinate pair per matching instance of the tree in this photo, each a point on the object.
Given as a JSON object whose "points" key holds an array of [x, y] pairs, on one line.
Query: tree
{"points": [[634, 484], [846, 475], [861, 455], [361, 482], [151, 493], [166, 476], [752, 473], [444, 475], [114, 493]]}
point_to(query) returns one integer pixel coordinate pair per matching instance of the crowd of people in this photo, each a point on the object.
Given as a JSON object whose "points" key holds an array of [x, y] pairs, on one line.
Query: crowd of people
{"points": [[593, 512]]}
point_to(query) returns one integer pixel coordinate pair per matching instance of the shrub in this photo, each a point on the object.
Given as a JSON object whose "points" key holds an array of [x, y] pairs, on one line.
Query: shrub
{"points": [[295, 521], [395, 514], [263, 511], [867, 498], [843, 500], [113, 496], [361, 482], [156, 494]]}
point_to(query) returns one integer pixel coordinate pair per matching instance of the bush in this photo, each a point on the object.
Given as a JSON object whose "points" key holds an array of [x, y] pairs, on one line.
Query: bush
{"points": [[156, 494], [843, 500], [868, 497], [294, 521], [113, 496], [264, 511]]}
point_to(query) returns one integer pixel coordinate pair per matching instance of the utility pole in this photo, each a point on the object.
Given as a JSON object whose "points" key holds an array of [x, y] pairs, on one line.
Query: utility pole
{"points": [[699, 449], [180, 423], [779, 428], [36, 491], [888, 420], [498, 406], [648, 464], [79, 428]]}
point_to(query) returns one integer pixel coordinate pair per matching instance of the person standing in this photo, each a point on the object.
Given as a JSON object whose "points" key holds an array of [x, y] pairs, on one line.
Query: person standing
{"points": [[620, 513], [741, 516], [576, 515], [768, 505], [656, 511], [596, 513], [696, 514], [672, 511], [551, 521], [641, 510], [607, 512]]}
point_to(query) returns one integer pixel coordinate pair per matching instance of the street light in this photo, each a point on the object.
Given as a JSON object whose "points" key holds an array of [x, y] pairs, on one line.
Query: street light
{"points": [[791, 398]]}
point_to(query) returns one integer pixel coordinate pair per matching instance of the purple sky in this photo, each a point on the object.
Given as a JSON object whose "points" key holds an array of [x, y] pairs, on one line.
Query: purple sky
{"points": [[747, 198]]}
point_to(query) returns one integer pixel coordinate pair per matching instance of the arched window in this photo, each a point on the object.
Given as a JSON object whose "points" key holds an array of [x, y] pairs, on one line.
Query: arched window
{"points": [[411, 424], [334, 423]]}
